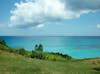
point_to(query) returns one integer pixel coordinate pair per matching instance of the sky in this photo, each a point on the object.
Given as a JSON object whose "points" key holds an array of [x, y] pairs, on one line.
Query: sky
{"points": [[49, 17]]}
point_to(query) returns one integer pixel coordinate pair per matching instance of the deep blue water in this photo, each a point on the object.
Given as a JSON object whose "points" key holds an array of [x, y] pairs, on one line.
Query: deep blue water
{"points": [[75, 46]]}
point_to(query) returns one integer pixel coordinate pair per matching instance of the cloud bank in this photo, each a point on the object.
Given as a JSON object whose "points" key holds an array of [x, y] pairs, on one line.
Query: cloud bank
{"points": [[30, 13]]}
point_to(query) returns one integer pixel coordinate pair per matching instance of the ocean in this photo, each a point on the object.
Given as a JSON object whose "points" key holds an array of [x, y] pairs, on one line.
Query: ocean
{"points": [[78, 47]]}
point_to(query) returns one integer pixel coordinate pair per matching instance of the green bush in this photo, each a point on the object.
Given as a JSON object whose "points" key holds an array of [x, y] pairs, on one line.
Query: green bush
{"points": [[2, 42], [2, 47], [21, 51], [62, 55], [37, 54]]}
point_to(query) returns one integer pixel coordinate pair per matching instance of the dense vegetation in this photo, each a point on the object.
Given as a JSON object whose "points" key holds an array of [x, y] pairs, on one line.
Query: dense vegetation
{"points": [[13, 63]]}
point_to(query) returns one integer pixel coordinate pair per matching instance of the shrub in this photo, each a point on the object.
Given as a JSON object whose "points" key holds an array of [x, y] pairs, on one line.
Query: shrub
{"points": [[3, 47], [2, 42], [21, 51], [37, 54]]}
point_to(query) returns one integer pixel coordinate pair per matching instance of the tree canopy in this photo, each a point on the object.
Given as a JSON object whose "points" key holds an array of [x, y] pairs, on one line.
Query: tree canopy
{"points": [[39, 47]]}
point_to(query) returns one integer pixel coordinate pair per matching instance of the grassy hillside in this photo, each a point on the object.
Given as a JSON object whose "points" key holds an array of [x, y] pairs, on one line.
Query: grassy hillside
{"points": [[11, 63]]}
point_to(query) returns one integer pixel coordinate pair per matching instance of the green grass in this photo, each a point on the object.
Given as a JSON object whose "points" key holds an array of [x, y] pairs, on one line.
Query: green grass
{"points": [[11, 63]]}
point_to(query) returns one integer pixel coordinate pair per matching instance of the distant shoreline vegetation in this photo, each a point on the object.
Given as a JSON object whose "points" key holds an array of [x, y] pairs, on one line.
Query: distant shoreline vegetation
{"points": [[36, 53]]}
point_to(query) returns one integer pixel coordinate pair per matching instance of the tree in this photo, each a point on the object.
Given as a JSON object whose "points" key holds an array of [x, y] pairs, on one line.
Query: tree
{"points": [[21, 51], [36, 47], [39, 47]]}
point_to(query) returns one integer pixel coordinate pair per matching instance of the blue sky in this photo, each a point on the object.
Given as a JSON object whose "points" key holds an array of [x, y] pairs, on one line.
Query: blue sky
{"points": [[50, 18]]}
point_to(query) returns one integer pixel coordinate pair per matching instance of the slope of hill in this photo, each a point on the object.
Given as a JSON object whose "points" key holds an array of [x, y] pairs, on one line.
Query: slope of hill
{"points": [[11, 63]]}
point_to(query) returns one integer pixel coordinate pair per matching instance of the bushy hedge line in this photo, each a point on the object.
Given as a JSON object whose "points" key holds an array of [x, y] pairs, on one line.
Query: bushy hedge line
{"points": [[50, 56], [37, 54]]}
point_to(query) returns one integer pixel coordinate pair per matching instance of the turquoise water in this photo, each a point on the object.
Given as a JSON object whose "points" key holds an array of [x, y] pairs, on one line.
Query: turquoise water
{"points": [[77, 47]]}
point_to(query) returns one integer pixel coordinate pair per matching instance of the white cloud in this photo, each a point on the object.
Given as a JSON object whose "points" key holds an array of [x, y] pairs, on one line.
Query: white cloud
{"points": [[98, 25], [33, 12], [40, 25]]}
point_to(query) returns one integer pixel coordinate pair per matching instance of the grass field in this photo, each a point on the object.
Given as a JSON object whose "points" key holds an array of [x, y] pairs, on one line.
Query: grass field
{"points": [[11, 63]]}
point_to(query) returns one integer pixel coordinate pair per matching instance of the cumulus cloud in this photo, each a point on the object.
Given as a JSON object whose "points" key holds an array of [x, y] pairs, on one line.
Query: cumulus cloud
{"points": [[33, 12], [98, 25]]}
